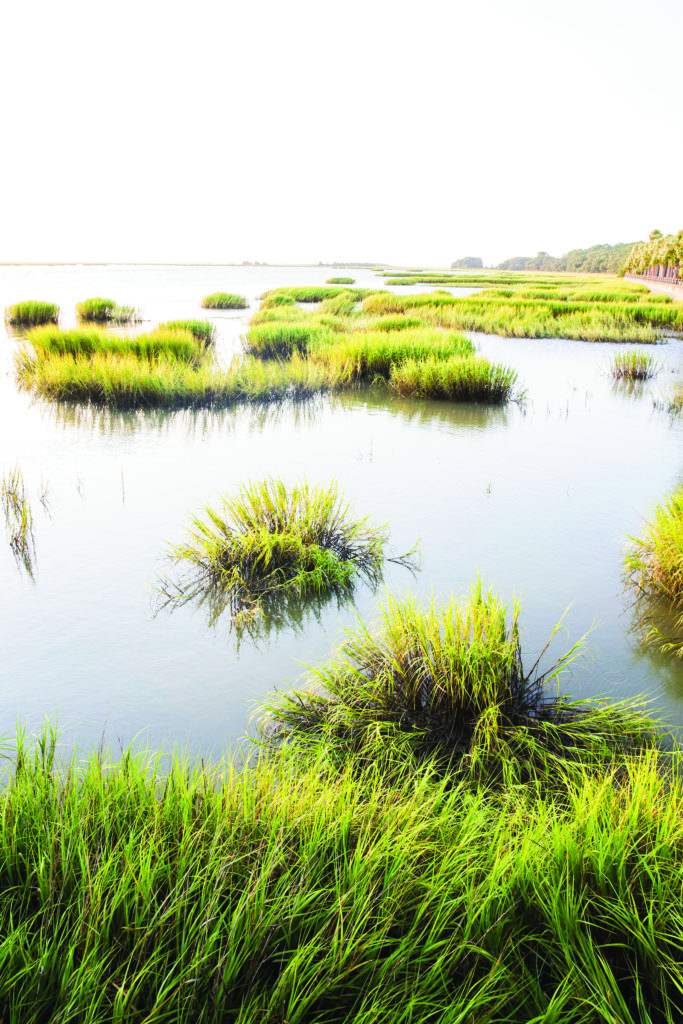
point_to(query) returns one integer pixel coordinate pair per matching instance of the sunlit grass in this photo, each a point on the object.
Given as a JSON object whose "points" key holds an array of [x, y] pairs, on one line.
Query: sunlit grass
{"points": [[633, 365], [163, 343], [224, 300], [454, 379], [105, 311], [31, 312]]}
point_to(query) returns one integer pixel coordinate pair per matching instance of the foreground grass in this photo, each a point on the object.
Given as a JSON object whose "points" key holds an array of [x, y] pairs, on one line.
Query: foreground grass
{"points": [[29, 313], [654, 567], [269, 543], [304, 890]]}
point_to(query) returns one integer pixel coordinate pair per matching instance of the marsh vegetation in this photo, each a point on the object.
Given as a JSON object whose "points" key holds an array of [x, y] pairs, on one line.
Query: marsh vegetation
{"points": [[270, 543], [100, 310], [634, 364], [31, 312], [224, 300], [19, 520]]}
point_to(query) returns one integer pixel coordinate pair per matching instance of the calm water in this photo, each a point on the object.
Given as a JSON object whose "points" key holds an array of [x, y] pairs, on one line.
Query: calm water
{"points": [[537, 498]]}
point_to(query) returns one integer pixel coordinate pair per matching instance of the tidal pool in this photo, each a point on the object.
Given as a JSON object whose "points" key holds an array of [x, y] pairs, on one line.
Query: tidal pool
{"points": [[538, 498]]}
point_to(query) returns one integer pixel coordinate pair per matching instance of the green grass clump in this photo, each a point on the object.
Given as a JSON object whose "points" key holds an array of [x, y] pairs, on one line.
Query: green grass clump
{"points": [[201, 330], [304, 892], [341, 305], [450, 683], [633, 365], [394, 323], [282, 339], [341, 280], [105, 311], [126, 381], [455, 379], [653, 565], [269, 542], [224, 300], [30, 313], [363, 356], [277, 299], [162, 343]]}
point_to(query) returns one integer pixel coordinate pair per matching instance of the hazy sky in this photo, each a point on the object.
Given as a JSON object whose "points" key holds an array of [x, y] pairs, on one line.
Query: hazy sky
{"points": [[368, 130]]}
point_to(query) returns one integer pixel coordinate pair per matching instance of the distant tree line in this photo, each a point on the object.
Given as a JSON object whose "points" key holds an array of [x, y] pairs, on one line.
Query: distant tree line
{"points": [[660, 256], [599, 259], [468, 263]]}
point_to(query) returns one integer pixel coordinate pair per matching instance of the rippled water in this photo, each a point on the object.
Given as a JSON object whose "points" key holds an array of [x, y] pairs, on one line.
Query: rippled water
{"points": [[538, 498]]}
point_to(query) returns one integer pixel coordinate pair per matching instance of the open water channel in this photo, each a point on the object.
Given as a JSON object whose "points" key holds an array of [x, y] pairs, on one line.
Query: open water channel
{"points": [[538, 498]]}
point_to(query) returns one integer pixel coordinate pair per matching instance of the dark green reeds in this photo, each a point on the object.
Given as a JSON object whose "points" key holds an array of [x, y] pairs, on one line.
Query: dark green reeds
{"points": [[224, 300], [633, 365], [30, 313], [269, 542], [450, 683], [653, 565], [99, 310]]}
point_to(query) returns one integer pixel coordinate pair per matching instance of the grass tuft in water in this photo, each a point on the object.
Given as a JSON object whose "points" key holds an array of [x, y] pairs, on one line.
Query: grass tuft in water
{"points": [[653, 565], [105, 311], [455, 379], [270, 541], [224, 300], [450, 683], [633, 364], [161, 344], [30, 313], [341, 280]]}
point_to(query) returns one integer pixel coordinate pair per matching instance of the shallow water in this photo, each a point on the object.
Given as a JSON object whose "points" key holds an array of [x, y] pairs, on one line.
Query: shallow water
{"points": [[538, 498]]}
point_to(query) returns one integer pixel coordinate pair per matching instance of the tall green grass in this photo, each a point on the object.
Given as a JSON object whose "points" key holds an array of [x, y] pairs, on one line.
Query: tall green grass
{"points": [[31, 312], [282, 339], [201, 330], [270, 542], [363, 356], [224, 300], [162, 343], [105, 311], [341, 280], [126, 381], [308, 891], [455, 379], [653, 565]]}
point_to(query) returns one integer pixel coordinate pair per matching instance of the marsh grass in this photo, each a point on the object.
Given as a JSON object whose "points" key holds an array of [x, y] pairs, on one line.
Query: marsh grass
{"points": [[224, 300], [100, 310], [19, 520], [269, 542], [304, 891], [450, 682], [162, 343], [31, 312], [456, 379], [201, 330], [341, 280], [653, 565], [126, 381], [363, 356], [280, 340], [633, 365]]}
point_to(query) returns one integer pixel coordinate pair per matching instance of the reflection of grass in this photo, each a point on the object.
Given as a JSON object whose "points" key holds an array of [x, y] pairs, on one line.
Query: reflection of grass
{"points": [[269, 544], [450, 682], [19, 519], [654, 566], [29, 313]]}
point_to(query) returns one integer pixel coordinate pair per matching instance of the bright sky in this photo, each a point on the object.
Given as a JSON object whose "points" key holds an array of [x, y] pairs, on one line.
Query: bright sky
{"points": [[301, 130]]}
